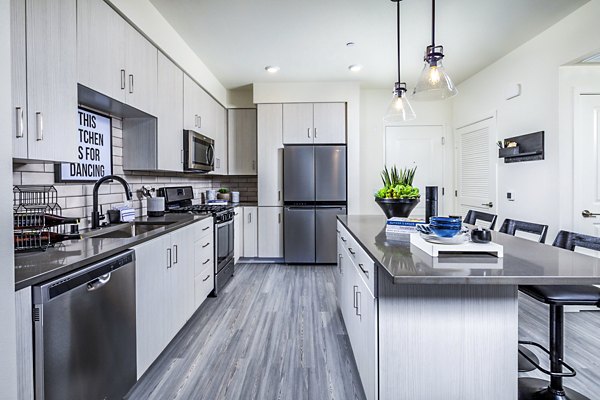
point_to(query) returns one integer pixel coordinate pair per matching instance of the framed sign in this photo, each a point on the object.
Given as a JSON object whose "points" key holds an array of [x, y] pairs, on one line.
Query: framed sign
{"points": [[94, 150]]}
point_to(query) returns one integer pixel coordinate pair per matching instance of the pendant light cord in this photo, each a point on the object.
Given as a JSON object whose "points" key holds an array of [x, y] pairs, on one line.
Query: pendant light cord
{"points": [[433, 23], [398, 34]]}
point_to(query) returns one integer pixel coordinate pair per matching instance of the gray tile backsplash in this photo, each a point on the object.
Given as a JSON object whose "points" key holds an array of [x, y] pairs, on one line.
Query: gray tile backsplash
{"points": [[76, 199]]}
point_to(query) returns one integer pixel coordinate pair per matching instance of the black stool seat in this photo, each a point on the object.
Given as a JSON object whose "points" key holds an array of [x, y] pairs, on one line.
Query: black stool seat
{"points": [[564, 295]]}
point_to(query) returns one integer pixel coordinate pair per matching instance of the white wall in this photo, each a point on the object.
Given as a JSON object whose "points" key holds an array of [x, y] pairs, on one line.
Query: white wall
{"points": [[373, 105], [8, 363], [307, 92], [147, 18], [535, 65]]}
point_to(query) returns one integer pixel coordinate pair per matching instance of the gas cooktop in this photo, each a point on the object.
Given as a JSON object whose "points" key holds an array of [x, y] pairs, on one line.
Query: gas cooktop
{"points": [[200, 209]]}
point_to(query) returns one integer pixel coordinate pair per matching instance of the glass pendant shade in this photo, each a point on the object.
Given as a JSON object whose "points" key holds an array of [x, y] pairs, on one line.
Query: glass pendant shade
{"points": [[434, 83], [399, 109]]}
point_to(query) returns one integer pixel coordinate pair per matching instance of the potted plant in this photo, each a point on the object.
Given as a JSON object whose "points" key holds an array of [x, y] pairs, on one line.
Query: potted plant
{"points": [[223, 194], [397, 197]]}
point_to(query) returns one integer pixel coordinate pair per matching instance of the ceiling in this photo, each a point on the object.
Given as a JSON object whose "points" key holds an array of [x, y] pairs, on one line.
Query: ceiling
{"points": [[307, 39]]}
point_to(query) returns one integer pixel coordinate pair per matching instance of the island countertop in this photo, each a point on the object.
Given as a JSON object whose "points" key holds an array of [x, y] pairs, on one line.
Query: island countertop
{"points": [[524, 263]]}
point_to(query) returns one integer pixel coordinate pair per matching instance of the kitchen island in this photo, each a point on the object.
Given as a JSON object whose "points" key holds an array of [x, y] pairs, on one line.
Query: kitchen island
{"points": [[440, 327]]}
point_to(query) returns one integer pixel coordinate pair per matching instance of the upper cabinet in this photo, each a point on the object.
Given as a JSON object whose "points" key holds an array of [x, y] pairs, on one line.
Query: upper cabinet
{"points": [[319, 123], [170, 115], [241, 128], [44, 79], [220, 138], [270, 154], [141, 60]]}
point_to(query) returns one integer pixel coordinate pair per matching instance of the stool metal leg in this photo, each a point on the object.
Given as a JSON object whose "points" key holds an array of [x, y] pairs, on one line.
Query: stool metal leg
{"points": [[524, 364]]}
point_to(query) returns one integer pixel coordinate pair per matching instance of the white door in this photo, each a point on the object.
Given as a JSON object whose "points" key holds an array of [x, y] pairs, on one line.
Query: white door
{"points": [[329, 122], [141, 60], [298, 123], [250, 232], [241, 127], [170, 115], [420, 146], [476, 166], [270, 232], [586, 173], [270, 154]]}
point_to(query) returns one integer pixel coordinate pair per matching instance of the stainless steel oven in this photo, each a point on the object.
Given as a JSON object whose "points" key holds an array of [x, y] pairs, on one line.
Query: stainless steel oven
{"points": [[199, 152], [224, 265]]}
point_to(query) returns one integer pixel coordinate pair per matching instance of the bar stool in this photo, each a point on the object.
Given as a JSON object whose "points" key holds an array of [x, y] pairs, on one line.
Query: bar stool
{"points": [[557, 297], [473, 216], [510, 227]]}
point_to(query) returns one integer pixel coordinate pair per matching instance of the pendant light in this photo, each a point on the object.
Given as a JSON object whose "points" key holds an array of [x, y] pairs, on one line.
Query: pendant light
{"points": [[399, 109], [434, 83]]}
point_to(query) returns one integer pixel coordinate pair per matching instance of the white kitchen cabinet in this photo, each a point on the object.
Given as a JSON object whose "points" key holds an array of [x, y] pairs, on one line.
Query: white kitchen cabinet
{"points": [[270, 154], [170, 115], [270, 232], [101, 49], [51, 42], [250, 231], [24, 329], [238, 234], [204, 261], [141, 62], [199, 110], [220, 138], [18, 50], [182, 278], [241, 127], [318, 123]]}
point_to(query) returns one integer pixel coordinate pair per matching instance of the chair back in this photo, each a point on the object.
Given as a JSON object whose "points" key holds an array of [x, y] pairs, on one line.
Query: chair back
{"points": [[571, 240], [477, 217], [512, 226]]}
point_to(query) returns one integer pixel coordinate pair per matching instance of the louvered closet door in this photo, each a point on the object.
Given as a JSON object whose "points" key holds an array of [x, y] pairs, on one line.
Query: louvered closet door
{"points": [[476, 167]]}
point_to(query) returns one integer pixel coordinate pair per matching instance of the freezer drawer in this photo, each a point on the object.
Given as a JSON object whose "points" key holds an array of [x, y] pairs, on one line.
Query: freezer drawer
{"points": [[330, 174], [326, 235], [299, 235], [298, 174]]}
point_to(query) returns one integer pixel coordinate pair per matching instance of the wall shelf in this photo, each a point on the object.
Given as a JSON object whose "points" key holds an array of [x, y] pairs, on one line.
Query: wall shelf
{"points": [[530, 148]]}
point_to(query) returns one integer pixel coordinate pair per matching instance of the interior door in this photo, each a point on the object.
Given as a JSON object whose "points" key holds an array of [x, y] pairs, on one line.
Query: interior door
{"points": [[476, 166], [586, 185], [420, 146]]}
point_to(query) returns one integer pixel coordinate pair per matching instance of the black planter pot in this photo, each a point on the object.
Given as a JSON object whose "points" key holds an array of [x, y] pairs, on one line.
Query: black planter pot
{"points": [[397, 207]]}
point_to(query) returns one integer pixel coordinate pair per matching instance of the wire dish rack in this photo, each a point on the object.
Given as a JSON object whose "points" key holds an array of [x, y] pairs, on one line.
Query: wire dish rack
{"points": [[35, 216]]}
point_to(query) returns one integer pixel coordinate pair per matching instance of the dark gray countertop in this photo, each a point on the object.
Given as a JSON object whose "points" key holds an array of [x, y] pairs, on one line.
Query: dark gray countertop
{"points": [[36, 267], [524, 263]]}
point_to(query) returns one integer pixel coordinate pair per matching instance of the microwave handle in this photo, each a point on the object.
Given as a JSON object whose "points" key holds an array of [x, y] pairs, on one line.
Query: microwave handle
{"points": [[210, 154]]}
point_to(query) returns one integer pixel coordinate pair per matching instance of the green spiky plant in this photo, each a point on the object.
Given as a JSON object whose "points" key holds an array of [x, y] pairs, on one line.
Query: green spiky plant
{"points": [[397, 184]]}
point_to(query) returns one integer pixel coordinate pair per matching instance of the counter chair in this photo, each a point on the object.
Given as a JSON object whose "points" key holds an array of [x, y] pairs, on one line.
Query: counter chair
{"points": [[473, 216], [558, 296]]}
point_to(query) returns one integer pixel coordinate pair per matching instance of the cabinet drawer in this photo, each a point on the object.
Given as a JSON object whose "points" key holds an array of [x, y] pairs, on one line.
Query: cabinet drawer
{"points": [[203, 228], [204, 283], [360, 259], [204, 258]]}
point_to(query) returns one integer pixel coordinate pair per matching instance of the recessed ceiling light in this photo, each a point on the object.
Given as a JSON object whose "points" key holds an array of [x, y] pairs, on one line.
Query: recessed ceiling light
{"points": [[355, 67], [271, 69]]}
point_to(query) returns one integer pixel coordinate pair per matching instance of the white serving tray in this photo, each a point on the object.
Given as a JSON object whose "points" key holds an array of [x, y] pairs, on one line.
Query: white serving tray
{"points": [[434, 249]]}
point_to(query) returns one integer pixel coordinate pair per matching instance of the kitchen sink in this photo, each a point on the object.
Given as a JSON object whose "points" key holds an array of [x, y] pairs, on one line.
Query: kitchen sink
{"points": [[125, 230]]}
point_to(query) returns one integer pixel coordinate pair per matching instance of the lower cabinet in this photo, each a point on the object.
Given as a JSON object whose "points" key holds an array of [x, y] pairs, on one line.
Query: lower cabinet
{"points": [[359, 310], [250, 231], [204, 262], [238, 234], [24, 329], [270, 232]]}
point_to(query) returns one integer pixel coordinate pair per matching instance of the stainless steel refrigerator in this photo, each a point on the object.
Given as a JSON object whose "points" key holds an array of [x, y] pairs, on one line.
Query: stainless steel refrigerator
{"points": [[314, 192]]}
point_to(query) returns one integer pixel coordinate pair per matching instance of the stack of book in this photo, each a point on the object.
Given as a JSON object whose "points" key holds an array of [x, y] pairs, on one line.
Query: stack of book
{"points": [[398, 225]]}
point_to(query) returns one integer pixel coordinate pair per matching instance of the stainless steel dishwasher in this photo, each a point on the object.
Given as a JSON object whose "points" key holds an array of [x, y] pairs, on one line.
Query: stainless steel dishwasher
{"points": [[84, 327]]}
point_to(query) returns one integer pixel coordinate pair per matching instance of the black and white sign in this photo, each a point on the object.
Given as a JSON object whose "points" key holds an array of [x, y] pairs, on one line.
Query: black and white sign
{"points": [[94, 150]]}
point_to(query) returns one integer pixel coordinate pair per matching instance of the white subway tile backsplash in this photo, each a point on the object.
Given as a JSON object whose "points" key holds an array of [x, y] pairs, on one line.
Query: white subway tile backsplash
{"points": [[37, 167], [37, 178]]}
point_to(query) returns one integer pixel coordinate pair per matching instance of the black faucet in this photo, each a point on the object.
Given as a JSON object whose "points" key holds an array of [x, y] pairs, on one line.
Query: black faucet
{"points": [[110, 178]]}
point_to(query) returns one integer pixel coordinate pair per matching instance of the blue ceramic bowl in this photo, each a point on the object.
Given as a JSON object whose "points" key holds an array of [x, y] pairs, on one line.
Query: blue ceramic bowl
{"points": [[445, 232], [445, 227], [445, 221]]}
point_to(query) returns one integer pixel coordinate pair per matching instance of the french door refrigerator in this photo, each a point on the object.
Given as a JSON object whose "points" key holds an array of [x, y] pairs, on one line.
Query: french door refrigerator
{"points": [[314, 192]]}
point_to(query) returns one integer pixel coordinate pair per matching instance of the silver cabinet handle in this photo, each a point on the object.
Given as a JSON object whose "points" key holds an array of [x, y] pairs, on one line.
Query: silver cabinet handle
{"points": [[343, 239], [366, 272], [206, 228], [130, 83], [169, 259], [340, 263], [218, 163], [205, 279], [308, 131], [253, 165], [354, 291], [337, 230], [196, 120], [98, 282], [490, 204], [206, 262], [279, 218], [588, 214], [358, 303], [351, 251], [206, 245], [249, 218], [181, 157], [315, 132], [39, 118], [279, 195], [176, 250], [20, 125], [122, 79], [199, 121]]}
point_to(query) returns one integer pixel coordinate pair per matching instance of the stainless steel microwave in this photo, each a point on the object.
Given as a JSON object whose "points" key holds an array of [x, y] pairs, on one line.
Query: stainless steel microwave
{"points": [[199, 152]]}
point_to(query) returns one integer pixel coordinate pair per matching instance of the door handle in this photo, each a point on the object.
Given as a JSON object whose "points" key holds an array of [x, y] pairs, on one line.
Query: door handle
{"points": [[206, 262], [175, 248], [98, 283], [354, 291], [206, 228], [315, 132], [279, 195], [20, 125], [366, 272], [589, 214], [206, 245], [490, 204], [308, 131], [253, 165], [343, 239], [205, 279], [279, 218], [130, 83], [358, 303], [39, 126], [122, 79], [169, 259], [351, 251]]}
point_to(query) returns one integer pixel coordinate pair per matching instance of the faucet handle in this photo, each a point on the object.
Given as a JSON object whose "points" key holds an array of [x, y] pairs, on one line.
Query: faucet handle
{"points": [[101, 216]]}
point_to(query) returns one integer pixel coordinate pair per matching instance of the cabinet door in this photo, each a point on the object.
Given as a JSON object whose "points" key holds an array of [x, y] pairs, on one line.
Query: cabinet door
{"points": [[101, 48], [220, 139], [330, 123], [207, 115], [298, 123], [170, 115], [250, 232], [52, 79], [182, 289], [24, 328], [241, 128], [270, 232], [141, 63], [238, 234], [270, 154], [191, 103], [151, 283], [18, 51]]}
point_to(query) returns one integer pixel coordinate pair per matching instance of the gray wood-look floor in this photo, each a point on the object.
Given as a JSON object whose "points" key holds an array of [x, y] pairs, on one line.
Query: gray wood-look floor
{"points": [[274, 333], [582, 343]]}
